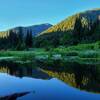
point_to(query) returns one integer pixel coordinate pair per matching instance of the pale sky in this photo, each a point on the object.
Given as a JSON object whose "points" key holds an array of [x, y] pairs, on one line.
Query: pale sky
{"points": [[30, 12]]}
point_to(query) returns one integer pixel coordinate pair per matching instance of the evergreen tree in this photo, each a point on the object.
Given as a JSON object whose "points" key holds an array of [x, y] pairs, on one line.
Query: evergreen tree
{"points": [[29, 39], [20, 39], [77, 33], [12, 39]]}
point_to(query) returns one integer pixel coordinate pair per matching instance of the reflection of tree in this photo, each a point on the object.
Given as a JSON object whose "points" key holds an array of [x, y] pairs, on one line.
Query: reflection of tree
{"points": [[15, 69], [21, 70], [78, 75]]}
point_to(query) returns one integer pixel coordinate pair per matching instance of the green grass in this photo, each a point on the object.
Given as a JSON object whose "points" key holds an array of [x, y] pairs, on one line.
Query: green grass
{"points": [[81, 53]]}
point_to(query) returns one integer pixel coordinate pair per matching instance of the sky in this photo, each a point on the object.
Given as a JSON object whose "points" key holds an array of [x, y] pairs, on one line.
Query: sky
{"points": [[30, 12]]}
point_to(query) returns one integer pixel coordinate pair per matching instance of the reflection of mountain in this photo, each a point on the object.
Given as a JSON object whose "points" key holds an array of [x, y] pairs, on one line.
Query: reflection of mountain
{"points": [[82, 76], [22, 70]]}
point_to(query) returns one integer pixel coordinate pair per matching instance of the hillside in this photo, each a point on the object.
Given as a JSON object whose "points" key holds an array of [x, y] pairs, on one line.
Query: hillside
{"points": [[36, 29], [63, 32]]}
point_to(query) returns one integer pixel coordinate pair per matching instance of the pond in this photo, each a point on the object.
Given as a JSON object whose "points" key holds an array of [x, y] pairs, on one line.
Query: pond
{"points": [[29, 82]]}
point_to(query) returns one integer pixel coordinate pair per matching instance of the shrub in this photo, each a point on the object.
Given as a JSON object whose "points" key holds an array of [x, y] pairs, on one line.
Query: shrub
{"points": [[89, 54], [72, 53]]}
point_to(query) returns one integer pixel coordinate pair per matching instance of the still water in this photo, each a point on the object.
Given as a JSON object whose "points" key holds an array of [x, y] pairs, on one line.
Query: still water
{"points": [[25, 82]]}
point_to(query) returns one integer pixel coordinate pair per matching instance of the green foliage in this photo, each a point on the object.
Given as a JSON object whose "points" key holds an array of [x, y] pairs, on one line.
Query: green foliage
{"points": [[16, 41], [89, 54]]}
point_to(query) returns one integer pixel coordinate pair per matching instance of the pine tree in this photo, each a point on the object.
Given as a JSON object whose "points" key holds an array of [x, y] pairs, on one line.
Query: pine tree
{"points": [[20, 39], [29, 39], [12, 39], [77, 31]]}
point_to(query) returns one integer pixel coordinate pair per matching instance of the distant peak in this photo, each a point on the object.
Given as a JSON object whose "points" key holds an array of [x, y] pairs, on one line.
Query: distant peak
{"points": [[47, 24]]}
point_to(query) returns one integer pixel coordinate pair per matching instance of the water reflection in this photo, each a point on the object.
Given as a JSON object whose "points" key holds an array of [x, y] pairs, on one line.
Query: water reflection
{"points": [[82, 76], [18, 80], [22, 70]]}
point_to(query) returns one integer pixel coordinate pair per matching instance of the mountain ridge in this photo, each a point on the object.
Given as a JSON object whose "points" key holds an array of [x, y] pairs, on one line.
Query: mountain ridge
{"points": [[89, 14], [36, 29], [57, 33]]}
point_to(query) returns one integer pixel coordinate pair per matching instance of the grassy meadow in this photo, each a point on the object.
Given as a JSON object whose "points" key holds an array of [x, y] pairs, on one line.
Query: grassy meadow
{"points": [[87, 53]]}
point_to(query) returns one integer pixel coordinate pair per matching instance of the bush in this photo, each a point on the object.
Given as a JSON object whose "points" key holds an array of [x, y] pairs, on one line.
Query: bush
{"points": [[72, 53], [89, 54]]}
